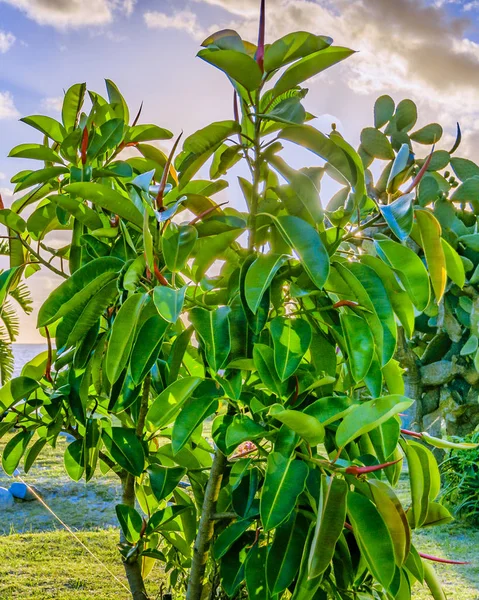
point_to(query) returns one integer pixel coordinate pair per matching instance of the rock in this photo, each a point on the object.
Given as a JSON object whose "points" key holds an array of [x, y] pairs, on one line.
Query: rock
{"points": [[430, 401], [440, 372], [463, 420], [433, 423], [6, 499], [23, 492]]}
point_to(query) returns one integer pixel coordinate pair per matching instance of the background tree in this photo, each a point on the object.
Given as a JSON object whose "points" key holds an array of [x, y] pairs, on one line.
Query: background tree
{"points": [[289, 347], [442, 355]]}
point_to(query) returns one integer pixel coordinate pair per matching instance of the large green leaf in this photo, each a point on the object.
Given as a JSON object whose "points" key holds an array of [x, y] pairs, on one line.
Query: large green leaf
{"points": [[125, 448], [14, 450], [169, 302], [242, 429], [106, 138], [203, 404], [359, 344], [376, 144], [130, 521], [48, 126], [147, 347], [263, 357], [454, 264], [78, 288], [430, 231], [311, 65], [210, 136], [16, 389], [72, 103], [229, 536], [383, 111], [284, 555], [304, 240], [109, 199], [430, 134], [291, 340], [40, 176], [410, 270], [329, 524], [35, 152], [238, 66], [259, 277], [292, 46], [305, 425], [285, 480], [213, 328], [147, 133], [373, 538], [168, 404], [163, 480], [369, 415], [123, 336], [74, 461], [177, 243]]}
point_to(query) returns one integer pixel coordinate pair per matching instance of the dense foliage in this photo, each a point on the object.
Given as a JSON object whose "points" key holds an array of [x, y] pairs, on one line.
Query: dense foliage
{"points": [[286, 342]]}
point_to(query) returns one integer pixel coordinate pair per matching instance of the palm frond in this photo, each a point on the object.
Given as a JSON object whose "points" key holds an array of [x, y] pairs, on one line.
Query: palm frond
{"points": [[6, 357], [11, 322], [23, 296], [4, 248]]}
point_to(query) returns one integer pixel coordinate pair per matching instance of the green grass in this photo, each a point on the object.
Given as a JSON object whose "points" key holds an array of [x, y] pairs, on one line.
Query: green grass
{"points": [[39, 561]]}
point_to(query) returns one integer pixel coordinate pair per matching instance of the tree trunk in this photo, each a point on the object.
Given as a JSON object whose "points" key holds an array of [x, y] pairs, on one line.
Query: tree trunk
{"points": [[133, 568], [206, 528], [412, 377]]}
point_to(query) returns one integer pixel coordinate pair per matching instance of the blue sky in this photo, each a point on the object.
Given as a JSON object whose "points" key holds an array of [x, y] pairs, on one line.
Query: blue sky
{"points": [[427, 50]]}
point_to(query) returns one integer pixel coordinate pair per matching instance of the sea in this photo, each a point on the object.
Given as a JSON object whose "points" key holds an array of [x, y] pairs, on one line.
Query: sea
{"points": [[23, 353]]}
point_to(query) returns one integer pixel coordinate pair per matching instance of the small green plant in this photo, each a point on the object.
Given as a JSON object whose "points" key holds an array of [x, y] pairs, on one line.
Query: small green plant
{"points": [[460, 471]]}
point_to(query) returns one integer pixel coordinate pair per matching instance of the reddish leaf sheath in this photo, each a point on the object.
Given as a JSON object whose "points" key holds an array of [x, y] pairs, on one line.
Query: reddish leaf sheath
{"points": [[166, 171], [260, 50], [350, 303], [411, 433], [445, 561], [84, 145], [159, 275], [135, 121], [353, 470], [206, 212]]}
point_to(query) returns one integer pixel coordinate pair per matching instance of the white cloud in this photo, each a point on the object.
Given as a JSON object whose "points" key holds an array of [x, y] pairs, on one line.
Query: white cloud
{"points": [[64, 14], [183, 20], [7, 40], [53, 104], [471, 5], [8, 109], [2, 176]]}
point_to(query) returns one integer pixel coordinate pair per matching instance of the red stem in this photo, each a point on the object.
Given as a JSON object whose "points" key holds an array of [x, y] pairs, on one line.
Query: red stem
{"points": [[412, 433], [353, 470], [260, 50], [446, 561]]}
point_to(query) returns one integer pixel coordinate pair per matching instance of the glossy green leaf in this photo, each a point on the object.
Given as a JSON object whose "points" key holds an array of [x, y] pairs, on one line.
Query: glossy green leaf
{"points": [[291, 340], [454, 265], [329, 524], [109, 199], [369, 415], [430, 134], [35, 152], [123, 336], [285, 552], [210, 136], [74, 461], [78, 288], [46, 125], [14, 450], [229, 536], [304, 240], [259, 277], [309, 66], [125, 448], [437, 514], [242, 429], [33, 453], [147, 133], [130, 521], [163, 480], [177, 243], [406, 115], [169, 302], [305, 425], [168, 404], [430, 231], [106, 138], [441, 443], [394, 517], [72, 103], [40, 176], [433, 582], [213, 329], [410, 270], [147, 347], [263, 357], [291, 47], [193, 413], [359, 344], [238, 66], [373, 538], [464, 168], [284, 482]]}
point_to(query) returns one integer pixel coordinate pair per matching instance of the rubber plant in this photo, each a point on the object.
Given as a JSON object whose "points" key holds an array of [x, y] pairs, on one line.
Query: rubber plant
{"points": [[244, 392]]}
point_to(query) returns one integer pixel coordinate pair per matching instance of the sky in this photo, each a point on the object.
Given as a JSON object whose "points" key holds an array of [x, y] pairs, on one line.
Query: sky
{"points": [[426, 50]]}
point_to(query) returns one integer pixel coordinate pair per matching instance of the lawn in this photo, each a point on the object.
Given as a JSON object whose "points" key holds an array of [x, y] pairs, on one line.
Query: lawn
{"points": [[40, 561]]}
